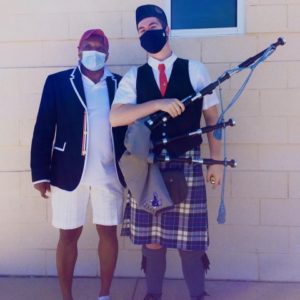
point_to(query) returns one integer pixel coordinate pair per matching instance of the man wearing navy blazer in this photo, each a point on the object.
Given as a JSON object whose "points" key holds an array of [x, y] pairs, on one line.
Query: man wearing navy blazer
{"points": [[74, 156]]}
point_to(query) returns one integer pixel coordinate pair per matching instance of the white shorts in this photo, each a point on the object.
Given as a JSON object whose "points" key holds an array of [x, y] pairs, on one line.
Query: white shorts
{"points": [[69, 209]]}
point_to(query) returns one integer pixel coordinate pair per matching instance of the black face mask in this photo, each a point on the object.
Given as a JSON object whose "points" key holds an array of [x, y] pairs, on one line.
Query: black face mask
{"points": [[154, 40]]}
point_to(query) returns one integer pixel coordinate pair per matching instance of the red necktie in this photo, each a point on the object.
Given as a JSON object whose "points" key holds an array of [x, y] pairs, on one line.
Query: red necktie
{"points": [[163, 81]]}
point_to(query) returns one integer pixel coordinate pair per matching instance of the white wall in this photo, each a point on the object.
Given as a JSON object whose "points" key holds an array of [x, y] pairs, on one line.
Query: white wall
{"points": [[261, 238]]}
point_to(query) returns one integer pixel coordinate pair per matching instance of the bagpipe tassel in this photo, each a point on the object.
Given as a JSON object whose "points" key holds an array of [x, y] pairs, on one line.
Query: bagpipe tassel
{"points": [[222, 212]]}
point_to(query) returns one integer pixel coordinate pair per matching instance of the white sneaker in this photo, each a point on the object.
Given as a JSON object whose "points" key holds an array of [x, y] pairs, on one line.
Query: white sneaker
{"points": [[104, 298]]}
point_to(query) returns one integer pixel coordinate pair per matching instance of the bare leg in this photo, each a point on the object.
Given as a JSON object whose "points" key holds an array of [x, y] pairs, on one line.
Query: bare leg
{"points": [[108, 253], [66, 256]]}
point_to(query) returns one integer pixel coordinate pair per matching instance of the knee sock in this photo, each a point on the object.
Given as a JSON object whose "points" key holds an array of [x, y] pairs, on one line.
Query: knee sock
{"points": [[154, 264], [193, 268]]}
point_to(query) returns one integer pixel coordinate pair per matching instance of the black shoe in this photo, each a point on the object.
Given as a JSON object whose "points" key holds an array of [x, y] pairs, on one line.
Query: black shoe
{"points": [[153, 297]]}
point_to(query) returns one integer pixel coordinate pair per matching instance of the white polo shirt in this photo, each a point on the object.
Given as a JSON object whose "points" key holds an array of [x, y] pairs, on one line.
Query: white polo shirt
{"points": [[100, 169], [126, 93]]}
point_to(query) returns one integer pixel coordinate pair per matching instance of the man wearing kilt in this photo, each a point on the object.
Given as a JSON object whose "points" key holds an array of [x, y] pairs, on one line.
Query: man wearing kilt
{"points": [[157, 86]]}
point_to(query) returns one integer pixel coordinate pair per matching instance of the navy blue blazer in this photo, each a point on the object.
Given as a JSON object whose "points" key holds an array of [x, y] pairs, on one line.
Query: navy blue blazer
{"points": [[58, 137]]}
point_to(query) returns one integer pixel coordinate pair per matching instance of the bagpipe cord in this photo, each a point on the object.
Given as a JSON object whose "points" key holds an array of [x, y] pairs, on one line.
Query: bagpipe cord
{"points": [[218, 132]]}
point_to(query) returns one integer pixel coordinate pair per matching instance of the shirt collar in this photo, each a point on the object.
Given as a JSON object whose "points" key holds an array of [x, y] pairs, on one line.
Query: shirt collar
{"points": [[168, 62]]}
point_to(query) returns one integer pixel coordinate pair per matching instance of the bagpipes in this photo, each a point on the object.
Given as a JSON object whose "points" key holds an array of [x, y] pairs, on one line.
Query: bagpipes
{"points": [[140, 150], [157, 119]]}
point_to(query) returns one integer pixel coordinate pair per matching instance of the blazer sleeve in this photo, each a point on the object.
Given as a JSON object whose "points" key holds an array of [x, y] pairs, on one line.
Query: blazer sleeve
{"points": [[43, 134]]}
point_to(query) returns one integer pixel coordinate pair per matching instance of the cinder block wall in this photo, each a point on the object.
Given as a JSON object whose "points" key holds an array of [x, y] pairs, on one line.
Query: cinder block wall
{"points": [[261, 238]]}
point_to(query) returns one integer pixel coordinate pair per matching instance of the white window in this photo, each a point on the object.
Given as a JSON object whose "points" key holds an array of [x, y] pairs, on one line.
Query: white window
{"points": [[205, 17]]}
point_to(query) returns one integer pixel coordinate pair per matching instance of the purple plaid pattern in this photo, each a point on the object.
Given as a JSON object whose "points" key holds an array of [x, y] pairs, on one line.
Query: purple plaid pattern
{"points": [[183, 227]]}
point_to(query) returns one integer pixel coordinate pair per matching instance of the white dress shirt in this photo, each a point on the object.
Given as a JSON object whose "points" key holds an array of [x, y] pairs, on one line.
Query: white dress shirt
{"points": [[100, 167], [126, 93]]}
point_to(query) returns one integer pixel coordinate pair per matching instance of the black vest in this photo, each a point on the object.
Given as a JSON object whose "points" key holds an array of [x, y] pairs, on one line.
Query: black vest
{"points": [[179, 86]]}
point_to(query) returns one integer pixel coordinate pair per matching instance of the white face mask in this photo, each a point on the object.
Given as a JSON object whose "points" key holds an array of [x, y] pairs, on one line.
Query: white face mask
{"points": [[93, 60]]}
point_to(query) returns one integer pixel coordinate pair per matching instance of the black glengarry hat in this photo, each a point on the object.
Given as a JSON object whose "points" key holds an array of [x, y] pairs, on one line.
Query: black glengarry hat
{"points": [[150, 10]]}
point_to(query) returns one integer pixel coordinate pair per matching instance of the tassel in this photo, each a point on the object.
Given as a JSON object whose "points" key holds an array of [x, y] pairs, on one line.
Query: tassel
{"points": [[222, 212], [205, 262]]}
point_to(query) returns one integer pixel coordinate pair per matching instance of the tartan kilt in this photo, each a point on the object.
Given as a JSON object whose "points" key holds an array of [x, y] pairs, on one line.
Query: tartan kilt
{"points": [[184, 226]]}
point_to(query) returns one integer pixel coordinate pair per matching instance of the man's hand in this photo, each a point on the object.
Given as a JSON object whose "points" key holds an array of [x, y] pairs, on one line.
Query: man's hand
{"points": [[215, 175], [172, 106], [43, 188]]}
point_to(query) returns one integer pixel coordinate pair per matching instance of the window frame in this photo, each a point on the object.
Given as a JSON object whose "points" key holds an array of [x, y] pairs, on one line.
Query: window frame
{"points": [[240, 29]]}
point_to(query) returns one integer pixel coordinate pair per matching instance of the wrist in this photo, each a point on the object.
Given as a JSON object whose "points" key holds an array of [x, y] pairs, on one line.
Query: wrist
{"points": [[156, 105]]}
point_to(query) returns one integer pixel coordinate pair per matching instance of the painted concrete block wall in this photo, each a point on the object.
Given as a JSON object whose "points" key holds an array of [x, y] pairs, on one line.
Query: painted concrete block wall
{"points": [[261, 237]]}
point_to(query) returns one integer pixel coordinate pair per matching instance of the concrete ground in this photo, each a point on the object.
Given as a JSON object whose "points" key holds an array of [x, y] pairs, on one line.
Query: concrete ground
{"points": [[45, 288]]}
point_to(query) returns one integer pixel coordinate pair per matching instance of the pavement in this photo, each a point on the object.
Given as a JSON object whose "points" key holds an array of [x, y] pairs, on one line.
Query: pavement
{"points": [[86, 288]]}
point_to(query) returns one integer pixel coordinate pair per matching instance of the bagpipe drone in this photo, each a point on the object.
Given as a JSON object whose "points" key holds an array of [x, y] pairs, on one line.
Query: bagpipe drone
{"points": [[139, 162]]}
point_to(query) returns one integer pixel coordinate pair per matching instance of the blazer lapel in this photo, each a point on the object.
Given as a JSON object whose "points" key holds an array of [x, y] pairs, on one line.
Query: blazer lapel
{"points": [[76, 82], [112, 87]]}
